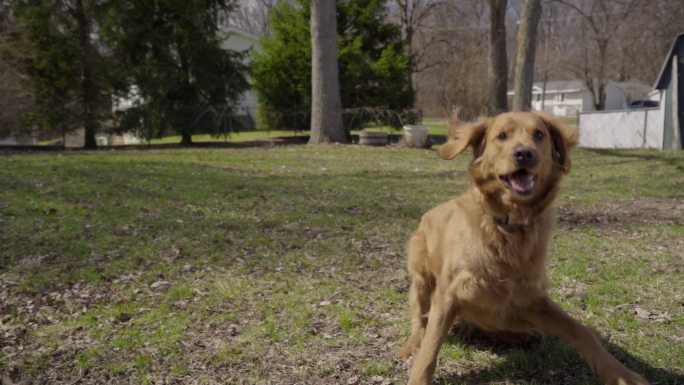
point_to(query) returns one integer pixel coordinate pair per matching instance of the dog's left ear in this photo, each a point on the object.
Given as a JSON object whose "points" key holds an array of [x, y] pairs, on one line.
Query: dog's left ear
{"points": [[463, 135], [563, 138]]}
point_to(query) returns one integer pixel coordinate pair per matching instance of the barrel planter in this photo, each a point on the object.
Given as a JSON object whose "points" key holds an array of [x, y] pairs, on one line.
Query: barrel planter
{"points": [[415, 136], [373, 138]]}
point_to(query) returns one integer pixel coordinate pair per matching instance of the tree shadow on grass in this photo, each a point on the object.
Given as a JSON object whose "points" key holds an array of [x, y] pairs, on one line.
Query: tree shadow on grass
{"points": [[542, 360]]}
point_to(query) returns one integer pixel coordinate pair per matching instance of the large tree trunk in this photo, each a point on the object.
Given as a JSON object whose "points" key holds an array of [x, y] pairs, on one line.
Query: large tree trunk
{"points": [[326, 108], [498, 61], [524, 59]]}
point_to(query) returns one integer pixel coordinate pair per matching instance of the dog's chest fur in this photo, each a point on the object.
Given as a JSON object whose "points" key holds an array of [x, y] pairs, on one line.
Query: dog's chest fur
{"points": [[495, 271]]}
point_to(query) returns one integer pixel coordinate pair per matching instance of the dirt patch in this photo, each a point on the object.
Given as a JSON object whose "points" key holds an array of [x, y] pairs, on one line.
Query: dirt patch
{"points": [[644, 211]]}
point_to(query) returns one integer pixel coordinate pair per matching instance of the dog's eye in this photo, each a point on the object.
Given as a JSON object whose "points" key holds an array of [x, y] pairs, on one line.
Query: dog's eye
{"points": [[538, 135], [502, 136]]}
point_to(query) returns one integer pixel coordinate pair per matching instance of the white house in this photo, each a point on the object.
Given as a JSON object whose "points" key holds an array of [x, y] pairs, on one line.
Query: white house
{"points": [[570, 97], [241, 41], [19, 140], [233, 39]]}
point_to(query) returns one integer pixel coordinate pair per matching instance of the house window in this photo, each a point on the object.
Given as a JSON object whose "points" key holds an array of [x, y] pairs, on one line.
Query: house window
{"points": [[562, 97], [538, 97]]}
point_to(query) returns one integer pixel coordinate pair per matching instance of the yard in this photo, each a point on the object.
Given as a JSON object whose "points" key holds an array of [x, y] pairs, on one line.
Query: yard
{"points": [[285, 265]]}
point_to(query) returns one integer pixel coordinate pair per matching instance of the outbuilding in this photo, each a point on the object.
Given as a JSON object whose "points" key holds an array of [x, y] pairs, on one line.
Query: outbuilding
{"points": [[671, 94]]}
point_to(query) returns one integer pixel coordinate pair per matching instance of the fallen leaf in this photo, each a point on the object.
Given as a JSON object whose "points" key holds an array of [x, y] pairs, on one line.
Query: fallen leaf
{"points": [[159, 284]]}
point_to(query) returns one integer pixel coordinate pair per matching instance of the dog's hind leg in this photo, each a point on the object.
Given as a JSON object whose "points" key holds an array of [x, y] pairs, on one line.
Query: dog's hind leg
{"points": [[422, 286]]}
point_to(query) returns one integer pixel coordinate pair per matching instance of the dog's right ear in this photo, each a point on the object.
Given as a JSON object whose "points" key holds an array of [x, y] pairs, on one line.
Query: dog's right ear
{"points": [[462, 136]]}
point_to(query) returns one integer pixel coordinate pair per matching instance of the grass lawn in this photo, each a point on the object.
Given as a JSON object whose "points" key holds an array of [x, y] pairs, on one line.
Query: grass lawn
{"points": [[286, 265]]}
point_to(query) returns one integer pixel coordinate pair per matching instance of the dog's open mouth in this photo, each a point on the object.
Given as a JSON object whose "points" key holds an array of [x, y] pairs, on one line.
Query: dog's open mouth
{"points": [[521, 181]]}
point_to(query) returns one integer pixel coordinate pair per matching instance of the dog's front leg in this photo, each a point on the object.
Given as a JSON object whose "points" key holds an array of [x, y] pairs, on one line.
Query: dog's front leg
{"points": [[440, 318], [550, 318]]}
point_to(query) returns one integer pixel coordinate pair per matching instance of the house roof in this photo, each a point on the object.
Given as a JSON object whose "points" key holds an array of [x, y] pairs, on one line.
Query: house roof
{"points": [[667, 64], [566, 86], [559, 86], [556, 86], [228, 31]]}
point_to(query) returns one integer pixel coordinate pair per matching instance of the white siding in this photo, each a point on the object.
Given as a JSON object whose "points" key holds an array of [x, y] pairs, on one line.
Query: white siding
{"points": [[240, 42], [563, 104], [19, 141]]}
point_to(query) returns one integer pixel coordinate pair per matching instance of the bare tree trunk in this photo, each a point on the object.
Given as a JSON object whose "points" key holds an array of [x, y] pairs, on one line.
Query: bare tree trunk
{"points": [[413, 14], [407, 8], [524, 60], [601, 81], [498, 61], [326, 107]]}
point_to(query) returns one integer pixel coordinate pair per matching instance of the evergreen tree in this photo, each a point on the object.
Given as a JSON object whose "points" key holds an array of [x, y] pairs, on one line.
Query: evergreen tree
{"points": [[374, 68], [68, 73], [16, 97], [169, 56]]}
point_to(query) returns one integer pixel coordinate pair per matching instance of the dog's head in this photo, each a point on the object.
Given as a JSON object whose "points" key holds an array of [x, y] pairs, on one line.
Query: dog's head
{"points": [[518, 155]]}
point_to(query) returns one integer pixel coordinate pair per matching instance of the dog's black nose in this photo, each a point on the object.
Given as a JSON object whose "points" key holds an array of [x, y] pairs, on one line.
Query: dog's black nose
{"points": [[525, 156]]}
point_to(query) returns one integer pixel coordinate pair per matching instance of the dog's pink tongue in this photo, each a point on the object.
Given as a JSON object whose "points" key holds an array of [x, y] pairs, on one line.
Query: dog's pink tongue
{"points": [[522, 182]]}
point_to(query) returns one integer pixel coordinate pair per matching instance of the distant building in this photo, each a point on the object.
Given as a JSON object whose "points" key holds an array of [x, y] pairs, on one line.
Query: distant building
{"points": [[670, 94], [234, 40], [570, 97], [241, 41], [19, 140]]}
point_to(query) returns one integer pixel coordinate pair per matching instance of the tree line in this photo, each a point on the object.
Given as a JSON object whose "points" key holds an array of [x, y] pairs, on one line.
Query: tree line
{"points": [[65, 64], [467, 54], [75, 60], [593, 41]]}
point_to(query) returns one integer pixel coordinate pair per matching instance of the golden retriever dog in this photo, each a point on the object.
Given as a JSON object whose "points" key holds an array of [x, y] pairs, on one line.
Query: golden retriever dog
{"points": [[481, 256]]}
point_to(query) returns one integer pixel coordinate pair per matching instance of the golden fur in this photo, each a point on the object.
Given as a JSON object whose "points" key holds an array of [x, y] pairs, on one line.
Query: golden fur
{"points": [[481, 256]]}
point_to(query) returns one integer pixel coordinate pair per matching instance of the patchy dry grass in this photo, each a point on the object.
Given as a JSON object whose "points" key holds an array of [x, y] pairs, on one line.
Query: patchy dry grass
{"points": [[286, 265]]}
